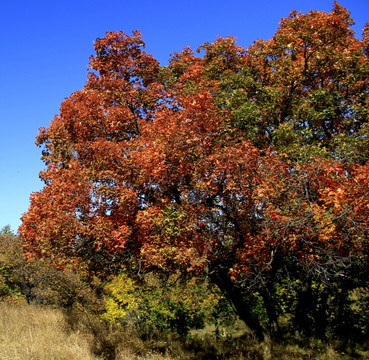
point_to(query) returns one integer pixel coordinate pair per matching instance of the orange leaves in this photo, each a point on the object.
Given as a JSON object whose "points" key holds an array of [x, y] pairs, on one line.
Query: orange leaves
{"points": [[175, 241], [306, 210], [121, 56], [221, 160], [231, 168], [51, 223]]}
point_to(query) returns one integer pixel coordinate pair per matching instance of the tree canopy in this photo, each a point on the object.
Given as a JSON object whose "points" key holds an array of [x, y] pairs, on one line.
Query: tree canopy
{"points": [[247, 165]]}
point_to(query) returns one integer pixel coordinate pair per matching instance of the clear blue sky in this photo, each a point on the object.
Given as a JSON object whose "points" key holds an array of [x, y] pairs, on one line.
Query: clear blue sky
{"points": [[45, 48]]}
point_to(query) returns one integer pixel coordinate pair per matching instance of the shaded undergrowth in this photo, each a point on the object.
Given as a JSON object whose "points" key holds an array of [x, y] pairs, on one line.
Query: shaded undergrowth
{"points": [[112, 342]]}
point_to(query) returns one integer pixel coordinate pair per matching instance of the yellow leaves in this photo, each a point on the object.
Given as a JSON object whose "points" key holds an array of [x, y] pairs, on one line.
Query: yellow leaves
{"points": [[113, 312], [122, 297], [162, 303], [325, 222]]}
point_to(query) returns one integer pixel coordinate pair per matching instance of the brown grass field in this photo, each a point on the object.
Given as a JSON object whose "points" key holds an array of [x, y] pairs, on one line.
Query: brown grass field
{"points": [[35, 333]]}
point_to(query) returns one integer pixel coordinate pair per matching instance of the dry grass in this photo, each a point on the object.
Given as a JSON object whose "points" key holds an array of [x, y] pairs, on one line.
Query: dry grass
{"points": [[36, 333], [40, 333]]}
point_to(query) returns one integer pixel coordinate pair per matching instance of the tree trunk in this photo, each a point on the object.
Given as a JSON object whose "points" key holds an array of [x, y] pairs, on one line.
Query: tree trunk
{"points": [[236, 299], [342, 320], [321, 315], [266, 291], [303, 312], [271, 312]]}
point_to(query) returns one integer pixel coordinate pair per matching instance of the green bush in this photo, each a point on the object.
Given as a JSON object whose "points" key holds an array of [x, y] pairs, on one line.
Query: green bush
{"points": [[39, 281], [163, 303]]}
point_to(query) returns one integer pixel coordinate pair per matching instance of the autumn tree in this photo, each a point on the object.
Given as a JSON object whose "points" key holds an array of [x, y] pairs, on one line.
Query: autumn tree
{"points": [[249, 166]]}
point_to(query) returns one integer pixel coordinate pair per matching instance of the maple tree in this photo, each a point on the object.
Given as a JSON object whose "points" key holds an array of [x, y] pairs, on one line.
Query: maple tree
{"points": [[247, 165]]}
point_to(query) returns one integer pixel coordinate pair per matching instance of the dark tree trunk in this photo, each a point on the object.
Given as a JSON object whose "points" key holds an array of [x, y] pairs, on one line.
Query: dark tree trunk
{"points": [[342, 320], [266, 291], [321, 315], [236, 299], [271, 312], [303, 313]]}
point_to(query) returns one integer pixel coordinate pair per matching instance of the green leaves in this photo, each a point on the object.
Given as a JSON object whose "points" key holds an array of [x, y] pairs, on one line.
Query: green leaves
{"points": [[160, 303]]}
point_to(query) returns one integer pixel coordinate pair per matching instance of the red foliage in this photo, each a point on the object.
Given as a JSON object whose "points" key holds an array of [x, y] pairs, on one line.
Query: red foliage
{"points": [[151, 163]]}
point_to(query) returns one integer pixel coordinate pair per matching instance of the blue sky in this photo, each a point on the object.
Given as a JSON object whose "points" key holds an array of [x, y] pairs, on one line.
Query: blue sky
{"points": [[46, 45]]}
